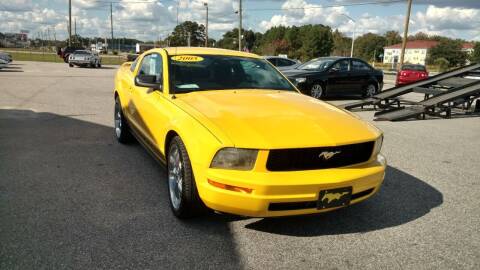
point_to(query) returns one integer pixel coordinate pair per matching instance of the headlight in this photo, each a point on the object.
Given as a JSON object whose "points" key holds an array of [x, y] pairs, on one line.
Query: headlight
{"points": [[300, 80], [378, 145], [235, 158]]}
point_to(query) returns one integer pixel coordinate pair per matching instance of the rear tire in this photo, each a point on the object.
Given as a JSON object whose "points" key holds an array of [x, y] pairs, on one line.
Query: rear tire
{"points": [[183, 194], [70, 65], [122, 130], [370, 90], [317, 90]]}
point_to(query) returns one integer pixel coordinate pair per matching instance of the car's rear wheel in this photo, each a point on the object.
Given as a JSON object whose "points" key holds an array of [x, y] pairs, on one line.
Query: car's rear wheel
{"points": [[70, 65], [370, 90], [184, 199], [122, 131], [317, 91]]}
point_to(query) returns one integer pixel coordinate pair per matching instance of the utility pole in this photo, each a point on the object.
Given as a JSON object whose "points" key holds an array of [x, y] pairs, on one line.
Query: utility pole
{"points": [[206, 25], [111, 23], [69, 22], [75, 26], [353, 34], [405, 33], [189, 35], [240, 25]]}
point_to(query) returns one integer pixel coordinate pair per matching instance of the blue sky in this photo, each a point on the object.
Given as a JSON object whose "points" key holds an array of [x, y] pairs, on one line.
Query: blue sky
{"points": [[152, 19]]}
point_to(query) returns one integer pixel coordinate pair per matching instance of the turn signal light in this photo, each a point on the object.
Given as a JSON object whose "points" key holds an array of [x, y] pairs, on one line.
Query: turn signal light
{"points": [[230, 187]]}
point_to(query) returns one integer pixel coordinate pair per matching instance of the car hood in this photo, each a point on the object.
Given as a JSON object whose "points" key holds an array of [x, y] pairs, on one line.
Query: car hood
{"points": [[265, 119]]}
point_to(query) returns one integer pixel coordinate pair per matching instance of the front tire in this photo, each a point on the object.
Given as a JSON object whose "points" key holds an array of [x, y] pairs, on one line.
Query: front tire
{"points": [[122, 131], [70, 65], [183, 194], [317, 91]]}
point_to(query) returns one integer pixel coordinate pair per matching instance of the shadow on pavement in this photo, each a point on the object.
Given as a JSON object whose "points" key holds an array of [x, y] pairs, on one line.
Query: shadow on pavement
{"points": [[403, 198], [72, 197]]}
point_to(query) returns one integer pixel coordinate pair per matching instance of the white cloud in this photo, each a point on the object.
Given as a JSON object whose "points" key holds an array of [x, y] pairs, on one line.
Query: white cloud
{"points": [[158, 18]]}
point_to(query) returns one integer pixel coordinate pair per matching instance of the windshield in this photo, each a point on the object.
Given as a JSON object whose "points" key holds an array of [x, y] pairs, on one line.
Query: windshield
{"points": [[316, 64], [81, 52], [219, 72], [413, 67]]}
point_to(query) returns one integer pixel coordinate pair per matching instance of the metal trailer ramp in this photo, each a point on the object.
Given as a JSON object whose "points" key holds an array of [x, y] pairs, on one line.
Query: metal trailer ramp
{"points": [[435, 105], [388, 97]]}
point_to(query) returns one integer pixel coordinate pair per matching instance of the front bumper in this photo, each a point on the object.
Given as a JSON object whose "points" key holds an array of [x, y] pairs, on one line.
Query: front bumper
{"points": [[286, 193], [80, 62]]}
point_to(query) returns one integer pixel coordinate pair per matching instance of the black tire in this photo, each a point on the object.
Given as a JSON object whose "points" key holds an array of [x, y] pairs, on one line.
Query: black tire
{"points": [[99, 65], [121, 128], [189, 204], [70, 65]]}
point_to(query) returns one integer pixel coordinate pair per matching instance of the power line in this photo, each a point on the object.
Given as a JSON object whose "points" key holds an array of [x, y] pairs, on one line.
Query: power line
{"points": [[327, 6]]}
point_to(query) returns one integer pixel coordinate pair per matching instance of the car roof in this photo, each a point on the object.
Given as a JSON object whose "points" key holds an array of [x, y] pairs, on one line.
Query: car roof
{"points": [[204, 51]]}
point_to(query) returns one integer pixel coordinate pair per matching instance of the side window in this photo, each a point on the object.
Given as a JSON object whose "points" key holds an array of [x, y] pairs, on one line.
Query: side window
{"points": [[284, 62], [341, 65], [151, 65], [273, 61], [359, 66], [134, 65]]}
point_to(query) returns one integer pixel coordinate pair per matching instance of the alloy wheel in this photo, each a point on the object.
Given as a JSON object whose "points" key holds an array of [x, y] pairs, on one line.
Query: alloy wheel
{"points": [[371, 90], [118, 120], [175, 176], [317, 91]]}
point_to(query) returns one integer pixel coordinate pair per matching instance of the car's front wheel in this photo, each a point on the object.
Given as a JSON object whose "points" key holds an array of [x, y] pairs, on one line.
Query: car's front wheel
{"points": [[184, 199], [122, 132], [317, 91]]}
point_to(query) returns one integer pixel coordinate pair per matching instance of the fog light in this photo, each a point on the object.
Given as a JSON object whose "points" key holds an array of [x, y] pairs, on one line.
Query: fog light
{"points": [[230, 187]]}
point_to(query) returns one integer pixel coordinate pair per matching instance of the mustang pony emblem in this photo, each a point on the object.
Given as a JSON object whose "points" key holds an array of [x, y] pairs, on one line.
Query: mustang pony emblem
{"points": [[326, 155], [334, 196]]}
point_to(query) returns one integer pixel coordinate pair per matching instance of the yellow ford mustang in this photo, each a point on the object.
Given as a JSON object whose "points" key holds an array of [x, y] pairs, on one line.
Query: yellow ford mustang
{"points": [[236, 136]]}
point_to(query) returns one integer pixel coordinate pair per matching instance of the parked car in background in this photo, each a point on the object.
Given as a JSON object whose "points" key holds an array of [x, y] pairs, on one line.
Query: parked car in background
{"points": [[410, 73], [65, 52], [3, 63], [336, 76], [282, 63], [6, 56], [84, 58]]}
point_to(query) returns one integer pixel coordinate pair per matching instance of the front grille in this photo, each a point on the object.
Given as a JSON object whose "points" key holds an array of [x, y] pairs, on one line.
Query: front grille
{"points": [[300, 159]]}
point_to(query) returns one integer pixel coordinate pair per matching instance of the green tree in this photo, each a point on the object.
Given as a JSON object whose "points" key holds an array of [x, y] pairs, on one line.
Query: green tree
{"points": [[317, 41], [449, 49], [342, 44], [180, 34], [229, 40], [392, 37], [475, 57], [369, 44]]}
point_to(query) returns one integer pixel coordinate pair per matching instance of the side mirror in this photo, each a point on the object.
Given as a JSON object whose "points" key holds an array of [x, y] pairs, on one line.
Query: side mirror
{"points": [[149, 81]]}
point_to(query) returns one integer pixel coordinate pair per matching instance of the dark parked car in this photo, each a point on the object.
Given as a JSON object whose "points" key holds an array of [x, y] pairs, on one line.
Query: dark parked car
{"points": [[336, 76], [411, 73], [282, 63]]}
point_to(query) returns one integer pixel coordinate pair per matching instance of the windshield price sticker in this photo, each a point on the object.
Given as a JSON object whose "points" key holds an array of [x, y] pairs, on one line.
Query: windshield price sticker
{"points": [[187, 58]]}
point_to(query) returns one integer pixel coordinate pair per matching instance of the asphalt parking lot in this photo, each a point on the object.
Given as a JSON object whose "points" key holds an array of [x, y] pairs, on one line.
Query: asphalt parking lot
{"points": [[73, 198]]}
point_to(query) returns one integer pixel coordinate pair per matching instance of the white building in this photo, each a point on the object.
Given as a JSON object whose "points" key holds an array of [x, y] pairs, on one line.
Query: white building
{"points": [[416, 51]]}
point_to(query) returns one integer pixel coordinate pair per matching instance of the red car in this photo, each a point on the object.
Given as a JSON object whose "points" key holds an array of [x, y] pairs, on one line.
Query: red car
{"points": [[411, 73]]}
